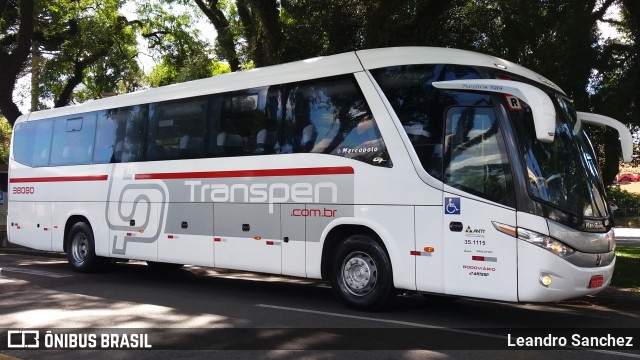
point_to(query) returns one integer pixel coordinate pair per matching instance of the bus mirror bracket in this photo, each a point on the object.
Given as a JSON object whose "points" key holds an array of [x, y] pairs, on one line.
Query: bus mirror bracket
{"points": [[626, 140], [544, 113]]}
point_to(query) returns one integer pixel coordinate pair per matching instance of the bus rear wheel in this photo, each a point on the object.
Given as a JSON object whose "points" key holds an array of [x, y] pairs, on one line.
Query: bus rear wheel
{"points": [[81, 252], [361, 274]]}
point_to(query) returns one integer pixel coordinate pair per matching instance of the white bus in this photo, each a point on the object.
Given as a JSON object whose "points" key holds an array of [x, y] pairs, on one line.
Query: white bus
{"points": [[428, 170]]}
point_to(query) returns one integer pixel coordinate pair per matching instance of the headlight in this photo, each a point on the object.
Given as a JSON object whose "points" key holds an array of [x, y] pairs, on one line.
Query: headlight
{"points": [[545, 242]]}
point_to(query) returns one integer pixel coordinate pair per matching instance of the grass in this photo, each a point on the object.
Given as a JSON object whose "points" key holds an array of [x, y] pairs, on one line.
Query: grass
{"points": [[627, 271]]}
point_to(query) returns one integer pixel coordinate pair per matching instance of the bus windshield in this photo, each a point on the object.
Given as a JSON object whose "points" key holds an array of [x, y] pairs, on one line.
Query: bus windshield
{"points": [[564, 173]]}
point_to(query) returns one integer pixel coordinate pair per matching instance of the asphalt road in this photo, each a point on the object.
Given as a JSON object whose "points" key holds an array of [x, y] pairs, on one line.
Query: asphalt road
{"points": [[197, 312]]}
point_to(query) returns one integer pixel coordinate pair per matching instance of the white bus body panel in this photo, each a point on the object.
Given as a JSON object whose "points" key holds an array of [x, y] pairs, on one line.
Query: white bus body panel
{"points": [[61, 192], [567, 280], [22, 226], [480, 261], [295, 249], [135, 212], [177, 245], [533, 222], [249, 237], [429, 234]]}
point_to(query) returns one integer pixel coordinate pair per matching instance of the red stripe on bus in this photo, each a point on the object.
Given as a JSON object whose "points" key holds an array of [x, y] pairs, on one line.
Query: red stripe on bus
{"points": [[339, 170], [60, 179]]}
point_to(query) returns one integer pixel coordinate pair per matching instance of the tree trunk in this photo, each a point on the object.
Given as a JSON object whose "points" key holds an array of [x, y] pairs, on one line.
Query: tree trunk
{"points": [[13, 63], [225, 36], [36, 63]]}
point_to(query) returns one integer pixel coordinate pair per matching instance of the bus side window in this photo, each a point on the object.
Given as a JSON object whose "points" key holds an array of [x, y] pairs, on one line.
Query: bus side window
{"points": [[22, 145], [476, 160], [331, 116], [32, 142], [216, 104], [105, 139], [244, 124], [176, 129], [42, 143], [130, 139], [73, 140], [419, 106], [267, 137]]}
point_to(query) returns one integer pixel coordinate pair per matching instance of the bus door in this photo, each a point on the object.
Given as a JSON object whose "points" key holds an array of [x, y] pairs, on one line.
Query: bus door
{"points": [[478, 207]]}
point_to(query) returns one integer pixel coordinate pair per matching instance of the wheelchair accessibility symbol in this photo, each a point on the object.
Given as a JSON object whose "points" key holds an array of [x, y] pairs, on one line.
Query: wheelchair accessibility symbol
{"points": [[452, 206]]}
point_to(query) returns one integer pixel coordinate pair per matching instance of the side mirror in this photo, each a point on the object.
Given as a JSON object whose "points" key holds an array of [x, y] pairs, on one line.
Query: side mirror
{"points": [[544, 113], [626, 140]]}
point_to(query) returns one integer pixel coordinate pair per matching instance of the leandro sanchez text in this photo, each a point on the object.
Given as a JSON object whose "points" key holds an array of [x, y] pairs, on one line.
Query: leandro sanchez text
{"points": [[575, 340]]}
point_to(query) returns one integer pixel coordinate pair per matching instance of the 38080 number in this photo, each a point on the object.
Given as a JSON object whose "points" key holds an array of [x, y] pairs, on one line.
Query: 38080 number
{"points": [[24, 190]]}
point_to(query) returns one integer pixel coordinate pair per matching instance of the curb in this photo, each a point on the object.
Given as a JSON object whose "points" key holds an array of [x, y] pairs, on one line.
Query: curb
{"points": [[620, 299], [621, 293]]}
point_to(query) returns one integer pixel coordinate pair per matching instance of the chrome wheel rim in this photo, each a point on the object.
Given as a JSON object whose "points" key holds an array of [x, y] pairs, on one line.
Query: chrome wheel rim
{"points": [[79, 248], [359, 273]]}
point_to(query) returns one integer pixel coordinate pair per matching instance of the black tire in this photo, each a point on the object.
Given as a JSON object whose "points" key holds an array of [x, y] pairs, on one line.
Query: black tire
{"points": [[361, 274], [161, 266], [81, 252]]}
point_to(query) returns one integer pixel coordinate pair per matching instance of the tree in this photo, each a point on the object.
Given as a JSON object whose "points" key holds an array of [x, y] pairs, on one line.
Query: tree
{"points": [[101, 56], [615, 89], [175, 44], [76, 42], [16, 33], [5, 140]]}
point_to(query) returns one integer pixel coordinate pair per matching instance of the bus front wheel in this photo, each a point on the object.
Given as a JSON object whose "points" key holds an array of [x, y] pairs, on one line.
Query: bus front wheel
{"points": [[361, 274], [81, 249]]}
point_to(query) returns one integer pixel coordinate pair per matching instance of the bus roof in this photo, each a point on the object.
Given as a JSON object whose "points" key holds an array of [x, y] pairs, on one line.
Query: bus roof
{"points": [[297, 71]]}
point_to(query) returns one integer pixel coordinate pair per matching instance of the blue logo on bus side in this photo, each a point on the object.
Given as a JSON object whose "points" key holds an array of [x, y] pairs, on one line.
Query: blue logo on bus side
{"points": [[452, 205]]}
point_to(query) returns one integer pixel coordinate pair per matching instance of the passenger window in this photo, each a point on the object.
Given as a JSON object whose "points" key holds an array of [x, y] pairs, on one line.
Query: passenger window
{"points": [[73, 140], [32, 142], [105, 139], [247, 122], [22, 145], [420, 107], [331, 116], [476, 160], [177, 129], [241, 121], [130, 132]]}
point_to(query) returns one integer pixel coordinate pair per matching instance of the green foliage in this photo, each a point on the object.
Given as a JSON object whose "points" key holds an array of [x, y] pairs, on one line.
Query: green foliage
{"points": [[162, 75], [217, 68], [174, 42], [623, 198], [628, 205], [5, 140], [627, 271], [100, 55], [195, 68]]}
